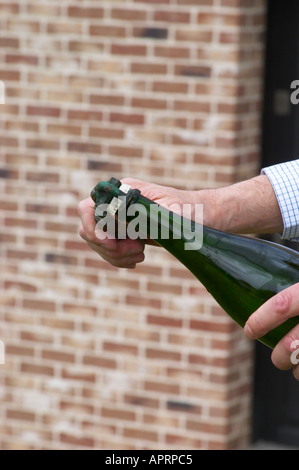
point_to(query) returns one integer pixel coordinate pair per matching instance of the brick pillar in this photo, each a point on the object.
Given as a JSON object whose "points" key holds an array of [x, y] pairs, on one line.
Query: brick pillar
{"points": [[168, 91]]}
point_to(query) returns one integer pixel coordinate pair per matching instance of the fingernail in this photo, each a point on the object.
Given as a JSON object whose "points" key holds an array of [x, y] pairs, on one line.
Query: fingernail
{"points": [[248, 331]]}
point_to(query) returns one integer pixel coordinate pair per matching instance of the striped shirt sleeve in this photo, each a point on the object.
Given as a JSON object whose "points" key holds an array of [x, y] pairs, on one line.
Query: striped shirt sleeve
{"points": [[284, 178]]}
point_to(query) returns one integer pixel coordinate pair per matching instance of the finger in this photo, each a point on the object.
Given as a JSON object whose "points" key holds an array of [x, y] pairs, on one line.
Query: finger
{"points": [[88, 229], [135, 183], [273, 313], [286, 354], [86, 213], [150, 190], [105, 244], [119, 248], [119, 262], [126, 253]]}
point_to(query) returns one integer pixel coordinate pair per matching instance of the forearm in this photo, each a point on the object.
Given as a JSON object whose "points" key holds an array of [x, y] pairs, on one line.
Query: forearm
{"points": [[247, 207]]}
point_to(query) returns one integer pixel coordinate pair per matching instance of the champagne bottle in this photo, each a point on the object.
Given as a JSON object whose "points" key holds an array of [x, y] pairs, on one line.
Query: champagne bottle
{"points": [[240, 272]]}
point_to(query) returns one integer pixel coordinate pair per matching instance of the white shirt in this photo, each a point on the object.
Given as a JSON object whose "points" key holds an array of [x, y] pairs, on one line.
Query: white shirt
{"points": [[284, 178]]}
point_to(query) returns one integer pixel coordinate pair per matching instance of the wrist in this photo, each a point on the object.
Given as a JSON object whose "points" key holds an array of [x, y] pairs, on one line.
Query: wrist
{"points": [[248, 207]]}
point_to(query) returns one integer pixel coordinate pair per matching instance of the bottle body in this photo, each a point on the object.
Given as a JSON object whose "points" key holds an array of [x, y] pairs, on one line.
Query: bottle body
{"points": [[241, 273]]}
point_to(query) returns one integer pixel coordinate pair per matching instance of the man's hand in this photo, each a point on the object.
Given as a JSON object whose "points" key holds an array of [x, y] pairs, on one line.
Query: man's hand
{"points": [[271, 314], [127, 253], [120, 253]]}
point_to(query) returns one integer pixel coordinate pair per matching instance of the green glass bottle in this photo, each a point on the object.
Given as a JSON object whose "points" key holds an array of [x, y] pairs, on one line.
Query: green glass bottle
{"points": [[240, 272]]}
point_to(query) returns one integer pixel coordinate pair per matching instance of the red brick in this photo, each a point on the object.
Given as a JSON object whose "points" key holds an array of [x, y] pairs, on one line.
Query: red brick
{"points": [[132, 152], [76, 407], [9, 8], [193, 35], [174, 87], [36, 337], [45, 305], [9, 142], [84, 147], [77, 441], [210, 326], [64, 27], [128, 14], [149, 68], [45, 144], [10, 75], [87, 115], [153, 303], [172, 52], [43, 111], [108, 31], [37, 369], [160, 2], [63, 129], [164, 321], [58, 356], [85, 12], [77, 309], [117, 413], [86, 46], [159, 354], [20, 286], [13, 350], [133, 433], [21, 59], [149, 103], [40, 9], [172, 16], [126, 118], [193, 70], [160, 387], [20, 415], [107, 99], [42, 177], [21, 255], [192, 106], [106, 133], [9, 43], [58, 323], [79, 376], [120, 348], [99, 362], [128, 49], [20, 222]]}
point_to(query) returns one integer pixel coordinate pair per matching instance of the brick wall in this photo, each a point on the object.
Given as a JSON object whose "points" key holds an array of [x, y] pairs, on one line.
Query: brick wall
{"points": [[168, 91]]}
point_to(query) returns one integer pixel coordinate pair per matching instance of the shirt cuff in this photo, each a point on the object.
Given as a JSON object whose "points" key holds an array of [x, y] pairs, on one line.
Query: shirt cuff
{"points": [[285, 181]]}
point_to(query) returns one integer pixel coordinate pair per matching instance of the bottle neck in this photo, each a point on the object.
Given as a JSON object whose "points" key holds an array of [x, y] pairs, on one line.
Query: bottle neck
{"points": [[170, 230]]}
